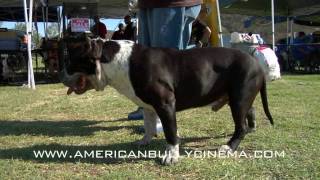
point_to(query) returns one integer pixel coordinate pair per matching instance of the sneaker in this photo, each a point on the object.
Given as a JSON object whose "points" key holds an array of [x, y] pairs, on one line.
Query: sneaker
{"points": [[136, 115], [159, 127]]}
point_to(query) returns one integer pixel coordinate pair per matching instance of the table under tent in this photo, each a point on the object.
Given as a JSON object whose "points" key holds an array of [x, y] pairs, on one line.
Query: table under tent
{"points": [[294, 12]]}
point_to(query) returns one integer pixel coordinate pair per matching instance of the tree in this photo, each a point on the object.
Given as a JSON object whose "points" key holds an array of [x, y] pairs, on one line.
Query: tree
{"points": [[21, 26], [53, 30]]}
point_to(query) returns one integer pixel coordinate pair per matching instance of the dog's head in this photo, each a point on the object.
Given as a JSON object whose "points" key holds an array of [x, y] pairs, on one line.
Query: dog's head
{"points": [[82, 70]]}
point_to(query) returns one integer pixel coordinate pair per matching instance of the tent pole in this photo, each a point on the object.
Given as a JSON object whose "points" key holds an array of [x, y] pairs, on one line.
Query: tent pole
{"points": [[137, 29], [288, 31], [59, 21], [219, 23], [291, 30], [63, 20], [272, 15], [27, 32], [46, 31], [290, 44], [29, 43], [43, 21], [28, 20]]}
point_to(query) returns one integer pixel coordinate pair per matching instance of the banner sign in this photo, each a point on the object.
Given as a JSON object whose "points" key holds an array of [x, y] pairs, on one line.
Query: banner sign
{"points": [[80, 24]]}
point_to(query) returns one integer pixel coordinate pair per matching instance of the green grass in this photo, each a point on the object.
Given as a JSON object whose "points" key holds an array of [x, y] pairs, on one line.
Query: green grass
{"points": [[48, 119]]}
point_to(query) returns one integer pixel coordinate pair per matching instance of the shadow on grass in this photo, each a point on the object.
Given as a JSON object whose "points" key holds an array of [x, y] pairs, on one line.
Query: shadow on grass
{"points": [[21, 79], [101, 154], [57, 128], [75, 153]]}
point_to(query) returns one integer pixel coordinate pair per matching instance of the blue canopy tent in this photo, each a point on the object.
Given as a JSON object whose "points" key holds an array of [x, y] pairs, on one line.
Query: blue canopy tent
{"points": [[288, 8], [308, 20]]}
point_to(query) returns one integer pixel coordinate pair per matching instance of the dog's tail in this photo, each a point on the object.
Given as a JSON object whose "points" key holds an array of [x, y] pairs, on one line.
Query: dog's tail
{"points": [[264, 99]]}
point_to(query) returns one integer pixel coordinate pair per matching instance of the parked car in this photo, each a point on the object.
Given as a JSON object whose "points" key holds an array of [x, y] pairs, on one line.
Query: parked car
{"points": [[12, 40], [13, 52]]}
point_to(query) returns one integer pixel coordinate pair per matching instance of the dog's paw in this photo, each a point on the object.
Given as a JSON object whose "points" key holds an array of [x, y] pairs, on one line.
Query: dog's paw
{"points": [[225, 149], [251, 130], [171, 155]]}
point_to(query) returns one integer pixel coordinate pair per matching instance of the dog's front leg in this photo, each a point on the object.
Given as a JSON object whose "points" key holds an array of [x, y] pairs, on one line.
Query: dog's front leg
{"points": [[167, 113], [150, 123]]}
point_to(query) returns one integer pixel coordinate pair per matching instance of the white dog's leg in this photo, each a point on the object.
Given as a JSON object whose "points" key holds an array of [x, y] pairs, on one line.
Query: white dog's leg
{"points": [[150, 123], [171, 155]]}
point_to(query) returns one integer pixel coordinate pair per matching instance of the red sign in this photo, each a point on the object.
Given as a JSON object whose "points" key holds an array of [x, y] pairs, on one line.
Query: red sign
{"points": [[80, 24]]}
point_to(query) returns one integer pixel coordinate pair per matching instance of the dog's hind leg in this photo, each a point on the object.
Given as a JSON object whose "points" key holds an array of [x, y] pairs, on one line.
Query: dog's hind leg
{"points": [[251, 117], [240, 102], [150, 122], [239, 117]]}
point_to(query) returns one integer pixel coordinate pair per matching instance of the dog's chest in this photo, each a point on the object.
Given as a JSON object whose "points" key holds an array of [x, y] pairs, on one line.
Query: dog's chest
{"points": [[117, 72]]}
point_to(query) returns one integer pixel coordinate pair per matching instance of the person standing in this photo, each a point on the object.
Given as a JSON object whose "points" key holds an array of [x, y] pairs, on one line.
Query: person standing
{"points": [[165, 24], [130, 30], [200, 35], [99, 29], [119, 34]]}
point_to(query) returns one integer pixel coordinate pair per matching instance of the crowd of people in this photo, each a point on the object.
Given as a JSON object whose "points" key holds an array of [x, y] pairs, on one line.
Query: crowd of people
{"points": [[127, 31], [199, 32]]}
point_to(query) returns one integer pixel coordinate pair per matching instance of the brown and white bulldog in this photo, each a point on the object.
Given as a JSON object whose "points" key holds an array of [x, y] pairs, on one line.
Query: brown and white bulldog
{"points": [[164, 81]]}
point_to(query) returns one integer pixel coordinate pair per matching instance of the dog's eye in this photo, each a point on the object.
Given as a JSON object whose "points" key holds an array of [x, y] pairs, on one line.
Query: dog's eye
{"points": [[92, 60]]}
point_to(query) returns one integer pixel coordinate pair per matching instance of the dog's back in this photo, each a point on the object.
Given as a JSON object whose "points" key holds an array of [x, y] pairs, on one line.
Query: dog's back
{"points": [[197, 76]]}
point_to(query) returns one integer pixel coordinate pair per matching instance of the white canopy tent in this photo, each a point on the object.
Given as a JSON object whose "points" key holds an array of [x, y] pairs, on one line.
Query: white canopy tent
{"points": [[118, 8], [220, 27]]}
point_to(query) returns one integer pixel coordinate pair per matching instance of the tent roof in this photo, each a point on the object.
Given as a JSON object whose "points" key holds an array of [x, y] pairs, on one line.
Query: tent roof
{"points": [[80, 8], [309, 20], [282, 7], [17, 14], [119, 8]]}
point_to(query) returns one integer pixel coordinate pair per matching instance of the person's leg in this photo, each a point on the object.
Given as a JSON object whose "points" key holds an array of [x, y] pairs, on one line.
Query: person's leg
{"points": [[161, 27], [166, 27], [171, 27], [143, 38], [143, 31], [190, 15]]}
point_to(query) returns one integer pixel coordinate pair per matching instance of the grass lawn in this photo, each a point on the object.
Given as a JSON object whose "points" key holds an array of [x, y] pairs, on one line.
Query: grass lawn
{"points": [[48, 119]]}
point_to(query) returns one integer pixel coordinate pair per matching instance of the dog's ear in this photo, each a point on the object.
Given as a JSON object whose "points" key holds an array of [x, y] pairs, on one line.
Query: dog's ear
{"points": [[103, 50], [96, 46], [109, 50]]}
